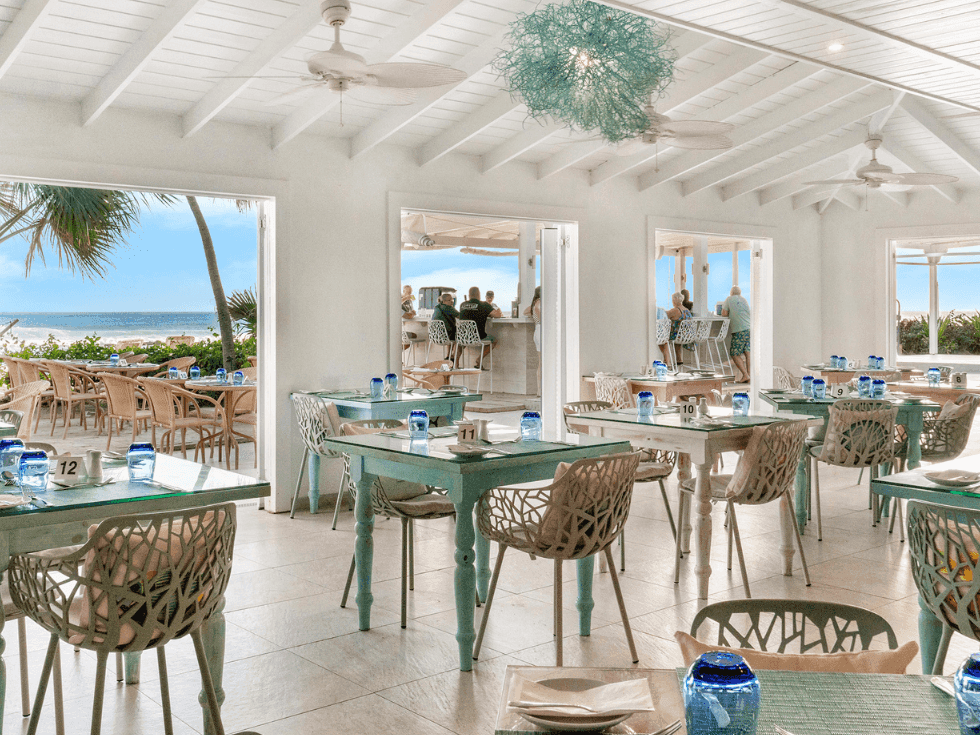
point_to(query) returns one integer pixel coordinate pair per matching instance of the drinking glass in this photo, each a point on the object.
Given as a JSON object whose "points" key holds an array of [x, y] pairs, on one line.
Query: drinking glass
{"points": [[10, 451], [872, 362], [966, 683], [418, 424], [833, 361], [806, 385], [644, 403], [934, 376], [113, 359], [173, 373], [140, 460], [238, 377], [842, 363], [721, 695], [661, 368], [877, 388], [864, 386], [377, 388], [32, 473], [531, 426], [195, 372], [880, 363], [222, 375], [740, 404], [391, 383], [819, 388]]}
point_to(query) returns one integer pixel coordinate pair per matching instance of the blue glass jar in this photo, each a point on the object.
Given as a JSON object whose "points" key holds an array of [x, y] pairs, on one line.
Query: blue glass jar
{"points": [[644, 403], [819, 388], [10, 451], [531, 426], [966, 683], [842, 363], [806, 385], [32, 472], [238, 377], [661, 369], [877, 388], [880, 363], [934, 376], [721, 696], [833, 361], [141, 459], [418, 423], [113, 359], [195, 372], [740, 404], [391, 384], [872, 362], [864, 386], [222, 375], [377, 388], [173, 373]]}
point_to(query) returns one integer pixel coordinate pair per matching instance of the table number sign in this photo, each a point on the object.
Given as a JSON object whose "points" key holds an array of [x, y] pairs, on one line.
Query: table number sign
{"points": [[838, 390], [957, 380], [466, 433], [689, 410], [70, 470]]}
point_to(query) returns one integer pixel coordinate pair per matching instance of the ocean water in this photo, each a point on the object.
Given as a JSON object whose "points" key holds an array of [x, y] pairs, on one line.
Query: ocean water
{"points": [[109, 326]]}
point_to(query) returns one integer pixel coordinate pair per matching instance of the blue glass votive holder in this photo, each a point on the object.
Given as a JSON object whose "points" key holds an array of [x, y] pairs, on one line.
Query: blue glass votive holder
{"points": [[644, 403], [377, 388], [660, 368], [880, 363], [32, 472], [721, 695], [806, 385], [819, 388], [934, 376], [238, 378], [740, 404], [10, 451], [833, 361], [391, 383], [864, 386], [222, 375], [877, 388], [195, 372], [418, 424], [113, 359], [966, 684], [141, 459], [531, 426]]}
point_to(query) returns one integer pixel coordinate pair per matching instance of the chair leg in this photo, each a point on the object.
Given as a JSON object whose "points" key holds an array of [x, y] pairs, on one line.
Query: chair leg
{"points": [[299, 482], [670, 514], [340, 493], [102, 658], [622, 607], [738, 548], [350, 578], [677, 541], [404, 571], [42, 685], [622, 551], [208, 683], [120, 667], [937, 666], [168, 724], [59, 696], [816, 498], [486, 606], [411, 557], [25, 684], [799, 541], [731, 534], [558, 632]]}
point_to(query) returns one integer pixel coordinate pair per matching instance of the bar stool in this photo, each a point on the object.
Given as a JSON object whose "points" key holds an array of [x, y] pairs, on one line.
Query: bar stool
{"points": [[717, 338], [663, 336], [467, 335], [439, 336], [687, 335], [410, 343]]}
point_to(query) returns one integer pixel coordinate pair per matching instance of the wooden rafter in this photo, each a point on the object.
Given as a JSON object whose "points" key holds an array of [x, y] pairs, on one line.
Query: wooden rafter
{"points": [[22, 27]]}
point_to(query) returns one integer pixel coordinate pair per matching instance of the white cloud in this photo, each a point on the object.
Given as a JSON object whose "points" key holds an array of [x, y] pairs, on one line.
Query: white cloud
{"points": [[217, 213], [502, 282]]}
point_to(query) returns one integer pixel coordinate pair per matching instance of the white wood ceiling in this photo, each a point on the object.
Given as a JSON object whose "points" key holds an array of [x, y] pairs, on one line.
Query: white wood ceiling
{"points": [[802, 109]]}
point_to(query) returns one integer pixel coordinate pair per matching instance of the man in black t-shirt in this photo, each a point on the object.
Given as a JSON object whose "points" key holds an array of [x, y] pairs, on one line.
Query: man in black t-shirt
{"points": [[479, 311]]}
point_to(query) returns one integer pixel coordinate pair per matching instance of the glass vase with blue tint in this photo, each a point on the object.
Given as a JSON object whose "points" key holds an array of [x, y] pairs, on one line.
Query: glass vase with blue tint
{"points": [[721, 695], [418, 425], [819, 388], [644, 403], [140, 459], [877, 388], [531, 426], [740, 404]]}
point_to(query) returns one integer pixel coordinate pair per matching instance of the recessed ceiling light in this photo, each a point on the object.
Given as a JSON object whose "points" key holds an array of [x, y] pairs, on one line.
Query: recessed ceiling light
{"points": [[835, 47]]}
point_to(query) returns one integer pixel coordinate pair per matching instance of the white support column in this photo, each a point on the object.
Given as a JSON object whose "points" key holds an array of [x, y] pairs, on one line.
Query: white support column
{"points": [[699, 287], [552, 298], [735, 263], [761, 309], [527, 244], [679, 271], [934, 303]]}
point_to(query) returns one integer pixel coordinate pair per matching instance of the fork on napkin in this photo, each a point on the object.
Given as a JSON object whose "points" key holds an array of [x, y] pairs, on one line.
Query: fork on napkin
{"points": [[618, 698]]}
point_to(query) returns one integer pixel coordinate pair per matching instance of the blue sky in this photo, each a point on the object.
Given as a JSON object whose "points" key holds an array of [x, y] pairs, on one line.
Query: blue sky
{"points": [[460, 271], [719, 277], [162, 267], [957, 287]]}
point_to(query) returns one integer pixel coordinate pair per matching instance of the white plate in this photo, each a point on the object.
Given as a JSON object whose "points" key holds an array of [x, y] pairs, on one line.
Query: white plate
{"points": [[953, 478], [574, 723], [12, 501], [465, 450]]}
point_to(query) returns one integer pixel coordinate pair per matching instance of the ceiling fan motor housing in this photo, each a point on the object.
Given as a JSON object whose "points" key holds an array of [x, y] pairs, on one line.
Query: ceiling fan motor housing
{"points": [[335, 12]]}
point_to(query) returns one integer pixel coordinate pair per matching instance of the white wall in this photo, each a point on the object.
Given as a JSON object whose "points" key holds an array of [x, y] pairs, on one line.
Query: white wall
{"points": [[332, 236]]}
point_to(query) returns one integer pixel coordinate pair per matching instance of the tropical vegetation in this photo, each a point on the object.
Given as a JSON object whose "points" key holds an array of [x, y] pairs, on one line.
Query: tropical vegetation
{"points": [[959, 334]]}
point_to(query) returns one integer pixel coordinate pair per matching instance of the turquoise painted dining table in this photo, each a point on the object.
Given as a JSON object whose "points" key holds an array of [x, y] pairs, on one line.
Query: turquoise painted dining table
{"points": [[465, 479], [357, 406], [914, 485], [62, 517], [910, 413]]}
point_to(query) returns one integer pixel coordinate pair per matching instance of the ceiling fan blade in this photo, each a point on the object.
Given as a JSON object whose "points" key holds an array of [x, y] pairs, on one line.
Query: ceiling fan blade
{"points": [[915, 179], [294, 95], [340, 63], [696, 128], [895, 187], [700, 143], [835, 182], [972, 113], [383, 95], [404, 74]]}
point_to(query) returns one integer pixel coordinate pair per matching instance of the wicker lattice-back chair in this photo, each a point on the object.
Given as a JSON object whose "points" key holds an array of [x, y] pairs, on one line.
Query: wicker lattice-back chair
{"points": [[860, 433], [181, 363], [406, 501], [944, 544], [13, 417], [613, 389], [318, 419], [793, 626], [766, 471], [784, 379], [942, 437], [580, 514], [430, 380], [73, 387], [174, 409], [13, 370], [467, 336], [126, 401], [687, 336], [137, 583]]}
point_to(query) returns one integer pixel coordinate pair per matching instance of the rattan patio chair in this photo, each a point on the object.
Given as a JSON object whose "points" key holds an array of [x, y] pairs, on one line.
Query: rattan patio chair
{"points": [[126, 401], [181, 363], [73, 387], [318, 419], [174, 409], [26, 399], [578, 515], [784, 379]]}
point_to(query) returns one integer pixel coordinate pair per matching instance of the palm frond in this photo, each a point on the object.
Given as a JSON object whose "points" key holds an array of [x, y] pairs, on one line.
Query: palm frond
{"points": [[244, 310]]}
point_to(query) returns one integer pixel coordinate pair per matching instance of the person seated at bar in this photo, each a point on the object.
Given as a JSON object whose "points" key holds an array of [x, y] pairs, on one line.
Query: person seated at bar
{"points": [[447, 314], [490, 300], [688, 304], [479, 311], [676, 314]]}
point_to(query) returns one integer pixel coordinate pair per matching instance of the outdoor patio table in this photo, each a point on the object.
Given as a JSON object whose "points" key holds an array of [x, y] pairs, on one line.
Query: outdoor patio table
{"points": [[355, 406], [913, 484], [66, 516], [465, 480], [909, 415], [836, 375], [103, 366], [673, 386], [939, 393], [697, 442], [230, 395]]}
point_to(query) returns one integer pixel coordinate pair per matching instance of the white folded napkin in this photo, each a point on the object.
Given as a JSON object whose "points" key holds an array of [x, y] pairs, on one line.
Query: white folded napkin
{"points": [[10, 501], [954, 475], [619, 698]]}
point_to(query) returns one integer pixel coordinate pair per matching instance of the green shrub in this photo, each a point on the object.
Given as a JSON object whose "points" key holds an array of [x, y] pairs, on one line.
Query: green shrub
{"points": [[959, 334]]}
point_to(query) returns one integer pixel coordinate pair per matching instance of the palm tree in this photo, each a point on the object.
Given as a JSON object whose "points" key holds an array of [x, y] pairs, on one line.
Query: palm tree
{"points": [[244, 310]]}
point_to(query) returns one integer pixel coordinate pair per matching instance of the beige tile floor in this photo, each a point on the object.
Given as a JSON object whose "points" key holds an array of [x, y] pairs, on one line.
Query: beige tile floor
{"points": [[296, 663]]}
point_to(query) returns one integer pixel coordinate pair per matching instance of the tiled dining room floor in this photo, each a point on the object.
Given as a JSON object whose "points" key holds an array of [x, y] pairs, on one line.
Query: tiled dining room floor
{"points": [[296, 663]]}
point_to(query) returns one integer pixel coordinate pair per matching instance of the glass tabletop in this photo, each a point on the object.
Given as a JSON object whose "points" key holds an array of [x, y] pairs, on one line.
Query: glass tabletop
{"points": [[717, 419], [401, 395], [787, 397], [685, 378], [916, 479]]}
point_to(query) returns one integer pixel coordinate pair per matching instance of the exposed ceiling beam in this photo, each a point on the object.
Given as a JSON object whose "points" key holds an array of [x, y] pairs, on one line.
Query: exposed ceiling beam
{"points": [[470, 242], [471, 125], [856, 158], [684, 91], [732, 38], [816, 195], [403, 36], [794, 184], [890, 147], [858, 110], [941, 132], [296, 27], [19, 32], [782, 115], [789, 166], [137, 56], [517, 145]]}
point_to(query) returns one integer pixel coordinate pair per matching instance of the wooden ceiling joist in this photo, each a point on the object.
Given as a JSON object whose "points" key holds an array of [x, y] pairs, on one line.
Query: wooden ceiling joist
{"points": [[793, 184], [910, 161], [941, 132], [16, 35]]}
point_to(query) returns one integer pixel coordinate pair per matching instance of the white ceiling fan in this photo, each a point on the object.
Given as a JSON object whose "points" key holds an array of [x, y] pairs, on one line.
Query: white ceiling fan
{"points": [[875, 174], [344, 72], [702, 135]]}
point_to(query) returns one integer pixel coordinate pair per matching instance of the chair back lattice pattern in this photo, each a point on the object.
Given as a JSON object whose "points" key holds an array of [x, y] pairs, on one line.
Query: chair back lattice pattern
{"points": [[767, 467], [783, 378], [943, 439], [122, 394], [860, 433], [137, 583], [181, 363], [318, 420], [793, 626], [13, 371], [943, 544], [467, 333], [61, 378], [687, 331], [581, 513], [663, 331], [163, 404], [437, 332], [12, 417], [569, 410], [723, 329], [613, 389], [704, 330]]}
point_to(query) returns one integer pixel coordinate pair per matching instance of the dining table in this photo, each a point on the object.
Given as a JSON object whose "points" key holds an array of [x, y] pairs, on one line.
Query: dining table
{"points": [[939, 393], [698, 442], [914, 485], [465, 479], [231, 394], [910, 412], [60, 517], [846, 375], [667, 388], [130, 370]]}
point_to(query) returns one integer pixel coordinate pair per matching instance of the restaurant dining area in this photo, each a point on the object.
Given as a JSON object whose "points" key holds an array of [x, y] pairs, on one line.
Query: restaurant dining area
{"points": [[609, 371]]}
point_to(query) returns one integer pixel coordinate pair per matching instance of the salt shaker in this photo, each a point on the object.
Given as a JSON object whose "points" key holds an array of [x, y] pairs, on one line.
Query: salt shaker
{"points": [[93, 464], [703, 407]]}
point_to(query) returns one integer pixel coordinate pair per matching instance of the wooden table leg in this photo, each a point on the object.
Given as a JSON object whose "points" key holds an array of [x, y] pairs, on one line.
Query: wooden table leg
{"points": [[586, 570], [364, 543], [684, 473], [464, 581], [702, 503]]}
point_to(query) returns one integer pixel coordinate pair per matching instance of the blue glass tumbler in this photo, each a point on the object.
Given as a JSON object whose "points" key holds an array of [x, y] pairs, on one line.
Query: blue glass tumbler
{"points": [[391, 384], [934, 376], [644, 403], [222, 375], [377, 388], [531, 426], [740, 404], [872, 362], [877, 388], [238, 377], [966, 683], [721, 696], [806, 385], [10, 451], [880, 363], [660, 368], [842, 363], [833, 361], [195, 372], [113, 359], [864, 386], [140, 460], [418, 425], [173, 373], [32, 472], [819, 388]]}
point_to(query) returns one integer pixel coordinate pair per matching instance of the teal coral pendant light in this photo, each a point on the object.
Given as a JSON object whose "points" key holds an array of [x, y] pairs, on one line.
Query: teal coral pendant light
{"points": [[587, 65]]}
